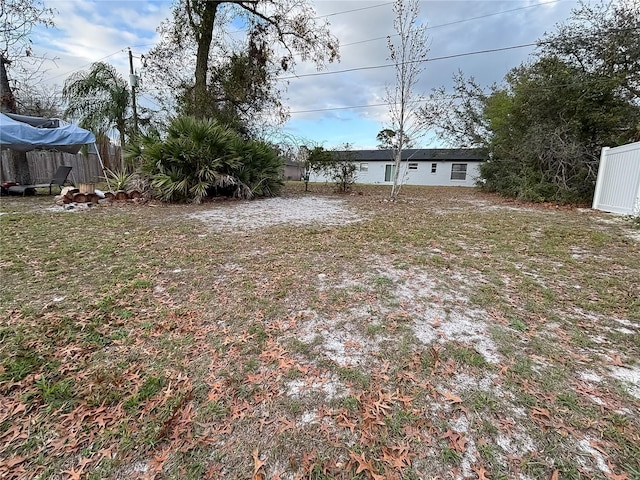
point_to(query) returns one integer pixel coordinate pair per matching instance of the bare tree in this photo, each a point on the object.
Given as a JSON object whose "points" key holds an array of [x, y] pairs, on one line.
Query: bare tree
{"points": [[17, 19], [408, 57], [40, 100]]}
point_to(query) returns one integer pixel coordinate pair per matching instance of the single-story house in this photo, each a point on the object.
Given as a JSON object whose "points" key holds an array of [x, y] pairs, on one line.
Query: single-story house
{"points": [[419, 166]]}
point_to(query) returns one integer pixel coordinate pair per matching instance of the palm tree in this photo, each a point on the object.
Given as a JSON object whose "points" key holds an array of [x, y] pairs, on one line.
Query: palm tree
{"points": [[201, 158], [99, 98]]}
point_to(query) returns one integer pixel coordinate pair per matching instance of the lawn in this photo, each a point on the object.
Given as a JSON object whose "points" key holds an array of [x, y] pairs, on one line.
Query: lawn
{"points": [[450, 335]]}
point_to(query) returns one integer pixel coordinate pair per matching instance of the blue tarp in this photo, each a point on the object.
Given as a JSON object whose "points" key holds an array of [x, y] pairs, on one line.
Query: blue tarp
{"points": [[24, 134]]}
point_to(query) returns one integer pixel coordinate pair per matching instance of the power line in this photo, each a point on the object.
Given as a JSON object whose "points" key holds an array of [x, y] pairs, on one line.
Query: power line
{"points": [[454, 23], [373, 67], [331, 109], [446, 57], [356, 10], [390, 65], [228, 33], [350, 107], [151, 100], [100, 59], [87, 64], [332, 14], [425, 100]]}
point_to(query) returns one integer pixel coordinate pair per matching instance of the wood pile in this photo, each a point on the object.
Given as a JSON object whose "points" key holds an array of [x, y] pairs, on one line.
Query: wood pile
{"points": [[74, 195]]}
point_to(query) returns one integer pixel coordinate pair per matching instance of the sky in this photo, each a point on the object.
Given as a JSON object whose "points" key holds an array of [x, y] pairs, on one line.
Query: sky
{"points": [[330, 107]]}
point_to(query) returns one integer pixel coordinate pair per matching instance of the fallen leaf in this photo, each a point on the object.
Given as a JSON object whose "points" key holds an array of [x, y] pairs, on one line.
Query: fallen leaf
{"points": [[613, 476], [480, 471], [106, 452], [363, 463], [157, 463], [457, 441], [12, 462], [285, 424], [405, 400], [397, 457], [596, 445], [257, 463], [451, 398], [343, 421], [74, 474], [541, 413], [214, 471], [263, 422], [554, 475], [621, 476], [616, 360]]}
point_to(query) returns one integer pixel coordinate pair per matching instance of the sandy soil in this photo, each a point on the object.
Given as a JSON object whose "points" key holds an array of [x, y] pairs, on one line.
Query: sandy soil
{"points": [[256, 214]]}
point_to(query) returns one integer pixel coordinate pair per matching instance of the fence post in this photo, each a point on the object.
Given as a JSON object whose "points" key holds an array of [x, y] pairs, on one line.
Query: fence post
{"points": [[600, 177]]}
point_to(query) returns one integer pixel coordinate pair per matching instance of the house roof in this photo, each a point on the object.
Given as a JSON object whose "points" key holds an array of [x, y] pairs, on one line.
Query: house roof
{"points": [[418, 154]]}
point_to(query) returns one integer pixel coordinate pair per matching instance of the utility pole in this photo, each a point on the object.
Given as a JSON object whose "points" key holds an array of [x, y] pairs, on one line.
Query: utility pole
{"points": [[133, 80]]}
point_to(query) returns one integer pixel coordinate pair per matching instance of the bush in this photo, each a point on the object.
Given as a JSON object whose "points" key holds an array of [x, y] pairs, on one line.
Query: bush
{"points": [[201, 158], [261, 170]]}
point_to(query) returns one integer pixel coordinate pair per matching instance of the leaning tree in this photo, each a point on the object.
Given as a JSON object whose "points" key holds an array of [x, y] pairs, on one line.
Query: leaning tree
{"points": [[220, 71]]}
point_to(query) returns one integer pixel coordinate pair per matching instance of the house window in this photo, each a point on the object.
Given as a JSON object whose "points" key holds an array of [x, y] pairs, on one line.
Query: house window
{"points": [[434, 166], [413, 166], [388, 173], [458, 171], [364, 167]]}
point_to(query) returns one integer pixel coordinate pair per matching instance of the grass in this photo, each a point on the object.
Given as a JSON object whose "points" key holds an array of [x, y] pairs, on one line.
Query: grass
{"points": [[449, 333]]}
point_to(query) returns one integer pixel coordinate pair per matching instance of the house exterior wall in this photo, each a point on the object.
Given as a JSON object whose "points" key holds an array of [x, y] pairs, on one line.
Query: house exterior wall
{"points": [[421, 175], [292, 172], [618, 183]]}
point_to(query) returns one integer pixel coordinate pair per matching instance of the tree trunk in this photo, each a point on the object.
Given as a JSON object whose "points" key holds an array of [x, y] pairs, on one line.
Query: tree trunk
{"points": [[7, 100], [121, 129], [19, 163], [397, 163], [204, 36], [105, 154], [20, 168]]}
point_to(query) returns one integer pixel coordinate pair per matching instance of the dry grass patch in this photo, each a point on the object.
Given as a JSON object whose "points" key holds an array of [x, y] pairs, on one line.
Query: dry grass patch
{"points": [[452, 334]]}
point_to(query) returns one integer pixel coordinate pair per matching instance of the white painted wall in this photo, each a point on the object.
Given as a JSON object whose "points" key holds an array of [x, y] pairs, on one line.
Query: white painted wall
{"points": [[375, 173], [618, 184]]}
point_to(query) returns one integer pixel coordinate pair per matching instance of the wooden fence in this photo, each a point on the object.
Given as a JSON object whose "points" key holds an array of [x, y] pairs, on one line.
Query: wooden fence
{"points": [[43, 164]]}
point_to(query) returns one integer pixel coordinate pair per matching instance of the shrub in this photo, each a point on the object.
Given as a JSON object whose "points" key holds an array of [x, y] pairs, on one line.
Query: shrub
{"points": [[201, 158], [261, 172]]}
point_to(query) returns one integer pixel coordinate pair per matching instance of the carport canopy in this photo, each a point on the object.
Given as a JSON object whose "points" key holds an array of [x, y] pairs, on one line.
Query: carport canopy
{"points": [[24, 133]]}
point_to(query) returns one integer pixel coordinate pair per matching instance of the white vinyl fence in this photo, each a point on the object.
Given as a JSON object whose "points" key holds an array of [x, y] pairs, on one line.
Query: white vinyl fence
{"points": [[618, 183]]}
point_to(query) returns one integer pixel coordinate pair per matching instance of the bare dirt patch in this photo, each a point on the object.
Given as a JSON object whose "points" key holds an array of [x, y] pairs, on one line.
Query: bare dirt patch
{"points": [[294, 211]]}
